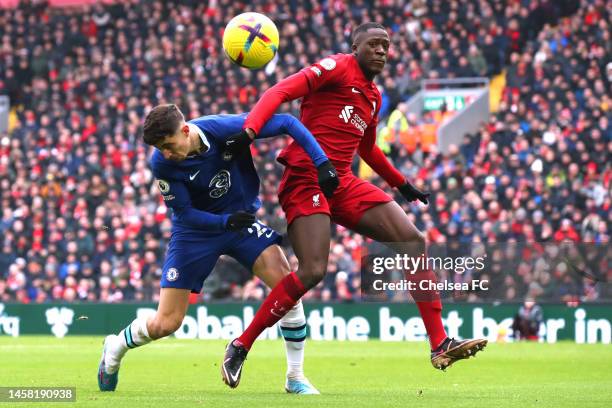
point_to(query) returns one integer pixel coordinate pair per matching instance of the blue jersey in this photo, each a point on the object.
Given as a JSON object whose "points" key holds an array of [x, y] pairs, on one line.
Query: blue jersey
{"points": [[205, 189]]}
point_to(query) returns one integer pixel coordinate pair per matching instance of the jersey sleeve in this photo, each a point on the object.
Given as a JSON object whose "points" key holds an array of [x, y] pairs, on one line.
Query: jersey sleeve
{"points": [[375, 158], [176, 196], [224, 126], [288, 124], [325, 72]]}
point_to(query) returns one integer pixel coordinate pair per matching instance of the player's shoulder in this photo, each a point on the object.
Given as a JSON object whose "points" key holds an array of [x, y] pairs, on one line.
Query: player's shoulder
{"points": [[335, 61], [207, 123], [334, 68], [219, 125], [159, 164], [222, 117], [156, 158]]}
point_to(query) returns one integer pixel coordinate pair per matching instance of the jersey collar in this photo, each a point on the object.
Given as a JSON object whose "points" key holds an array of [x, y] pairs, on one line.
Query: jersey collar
{"points": [[202, 137]]}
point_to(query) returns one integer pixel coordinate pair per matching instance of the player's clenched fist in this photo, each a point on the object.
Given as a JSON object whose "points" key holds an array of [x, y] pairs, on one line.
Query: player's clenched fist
{"points": [[328, 178], [239, 220]]}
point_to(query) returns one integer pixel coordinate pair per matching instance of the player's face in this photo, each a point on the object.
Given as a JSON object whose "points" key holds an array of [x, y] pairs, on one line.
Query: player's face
{"points": [[371, 49], [176, 147]]}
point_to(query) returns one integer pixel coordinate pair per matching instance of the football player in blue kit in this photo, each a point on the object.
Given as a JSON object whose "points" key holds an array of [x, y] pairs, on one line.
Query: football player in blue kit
{"points": [[214, 197]]}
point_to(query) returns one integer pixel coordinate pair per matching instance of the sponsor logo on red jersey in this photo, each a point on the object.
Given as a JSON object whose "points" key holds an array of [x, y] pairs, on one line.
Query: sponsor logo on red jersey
{"points": [[348, 115]]}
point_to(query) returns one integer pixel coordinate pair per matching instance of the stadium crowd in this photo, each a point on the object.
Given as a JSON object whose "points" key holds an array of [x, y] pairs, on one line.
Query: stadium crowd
{"points": [[82, 219]]}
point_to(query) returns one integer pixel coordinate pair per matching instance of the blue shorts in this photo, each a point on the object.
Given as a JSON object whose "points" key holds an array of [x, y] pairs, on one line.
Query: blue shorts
{"points": [[191, 259]]}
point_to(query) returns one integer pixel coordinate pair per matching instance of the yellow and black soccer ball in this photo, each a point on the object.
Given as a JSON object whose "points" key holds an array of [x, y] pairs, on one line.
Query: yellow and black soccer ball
{"points": [[250, 40]]}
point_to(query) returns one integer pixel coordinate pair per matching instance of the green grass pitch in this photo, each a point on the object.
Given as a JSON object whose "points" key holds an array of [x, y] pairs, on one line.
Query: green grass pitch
{"points": [[176, 373]]}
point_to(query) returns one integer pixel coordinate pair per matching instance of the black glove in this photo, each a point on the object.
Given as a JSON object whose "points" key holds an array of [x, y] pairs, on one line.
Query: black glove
{"points": [[411, 193], [239, 220], [238, 143], [328, 178]]}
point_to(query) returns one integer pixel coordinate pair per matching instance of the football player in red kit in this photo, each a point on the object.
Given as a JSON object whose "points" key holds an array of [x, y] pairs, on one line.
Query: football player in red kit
{"points": [[340, 107]]}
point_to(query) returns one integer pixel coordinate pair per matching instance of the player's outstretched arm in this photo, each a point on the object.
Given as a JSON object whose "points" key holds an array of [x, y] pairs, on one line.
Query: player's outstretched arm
{"points": [[376, 159], [282, 124], [326, 72], [288, 124], [293, 87]]}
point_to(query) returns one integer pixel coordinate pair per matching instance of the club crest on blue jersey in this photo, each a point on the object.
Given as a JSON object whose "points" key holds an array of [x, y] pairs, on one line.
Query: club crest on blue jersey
{"points": [[172, 274], [220, 184]]}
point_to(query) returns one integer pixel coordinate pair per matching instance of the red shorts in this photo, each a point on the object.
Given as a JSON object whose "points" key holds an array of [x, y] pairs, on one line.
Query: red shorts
{"points": [[300, 195]]}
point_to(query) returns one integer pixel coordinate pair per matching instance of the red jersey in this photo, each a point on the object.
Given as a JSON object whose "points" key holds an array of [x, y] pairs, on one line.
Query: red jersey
{"points": [[340, 107]]}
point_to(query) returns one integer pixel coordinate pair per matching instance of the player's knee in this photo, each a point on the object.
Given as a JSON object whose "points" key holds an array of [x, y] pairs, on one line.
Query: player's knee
{"points": [[417, 243], [284, 267], [313, 272], [279, 260], [405, 234], [418, 237]]}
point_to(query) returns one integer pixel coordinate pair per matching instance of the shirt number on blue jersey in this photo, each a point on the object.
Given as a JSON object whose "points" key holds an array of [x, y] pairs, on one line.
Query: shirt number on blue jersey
{"points": [[260, 230]]}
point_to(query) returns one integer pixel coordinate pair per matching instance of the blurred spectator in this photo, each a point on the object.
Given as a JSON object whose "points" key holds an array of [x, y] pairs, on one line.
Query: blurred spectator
{"points": [[526, 324]]}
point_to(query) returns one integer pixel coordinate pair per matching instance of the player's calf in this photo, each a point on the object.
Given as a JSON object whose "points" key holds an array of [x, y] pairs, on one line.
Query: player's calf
{"points": [[312, 272], [159, 327]]}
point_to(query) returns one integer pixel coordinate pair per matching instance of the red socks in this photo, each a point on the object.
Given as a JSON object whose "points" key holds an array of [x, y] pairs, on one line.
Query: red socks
{"points": [[280, 300], [289, 290], [431, 313], [430, 307]]}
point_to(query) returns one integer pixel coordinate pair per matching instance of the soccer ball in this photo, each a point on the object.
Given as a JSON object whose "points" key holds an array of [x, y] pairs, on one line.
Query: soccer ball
{"points": [[250, 40]]}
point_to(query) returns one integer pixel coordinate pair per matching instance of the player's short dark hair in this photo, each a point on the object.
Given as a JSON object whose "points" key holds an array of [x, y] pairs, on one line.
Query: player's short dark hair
{"points": [[363, 28], [161, 122]]}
